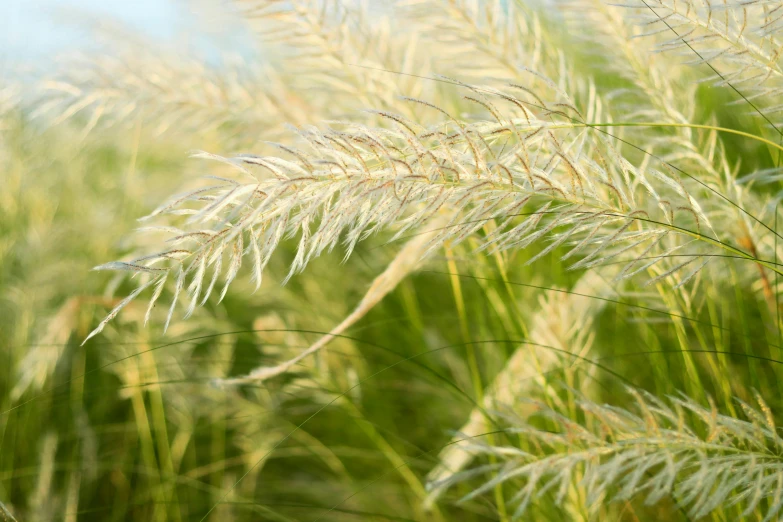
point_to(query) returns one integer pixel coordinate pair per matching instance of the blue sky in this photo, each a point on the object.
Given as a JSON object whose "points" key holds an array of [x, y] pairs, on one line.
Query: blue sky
{"points": [[35, 31]]}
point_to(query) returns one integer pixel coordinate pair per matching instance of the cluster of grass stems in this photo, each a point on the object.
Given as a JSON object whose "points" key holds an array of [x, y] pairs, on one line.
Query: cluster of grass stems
{"points": [[433, 260]]}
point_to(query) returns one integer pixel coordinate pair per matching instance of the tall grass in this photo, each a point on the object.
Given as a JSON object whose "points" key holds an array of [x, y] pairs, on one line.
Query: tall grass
{"points": [[487, 260]]}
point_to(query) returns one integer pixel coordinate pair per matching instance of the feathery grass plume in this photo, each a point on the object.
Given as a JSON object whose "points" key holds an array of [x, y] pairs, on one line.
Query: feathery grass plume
{"points": [[660, 448], [539, 177], [657, 92], [362, 46], [340, 55], [738, 41], [169, 93], [654, 99], [483, 41], [136, 83], [511, 43], [563, 322]]}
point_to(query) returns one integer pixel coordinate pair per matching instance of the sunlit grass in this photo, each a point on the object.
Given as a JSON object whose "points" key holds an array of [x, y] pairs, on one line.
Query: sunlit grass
{"points": [[560, 303]]}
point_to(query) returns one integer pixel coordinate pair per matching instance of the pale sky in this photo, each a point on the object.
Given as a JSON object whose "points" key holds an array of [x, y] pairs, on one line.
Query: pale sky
{"points": [[35, 31]]}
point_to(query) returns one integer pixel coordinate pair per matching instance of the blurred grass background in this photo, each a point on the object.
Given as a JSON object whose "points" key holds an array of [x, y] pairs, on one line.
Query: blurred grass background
{"points": [[131, 426]]}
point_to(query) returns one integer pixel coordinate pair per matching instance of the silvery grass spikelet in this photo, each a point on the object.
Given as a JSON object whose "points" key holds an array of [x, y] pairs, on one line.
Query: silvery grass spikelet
{"points": [[538, 177], [737, 41], [673, 447], [177, 95], [561, 337], [169, 94]]}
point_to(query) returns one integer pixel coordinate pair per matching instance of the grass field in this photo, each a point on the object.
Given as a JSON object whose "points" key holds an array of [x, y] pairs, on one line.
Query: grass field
{"points": [[432, 260]]}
